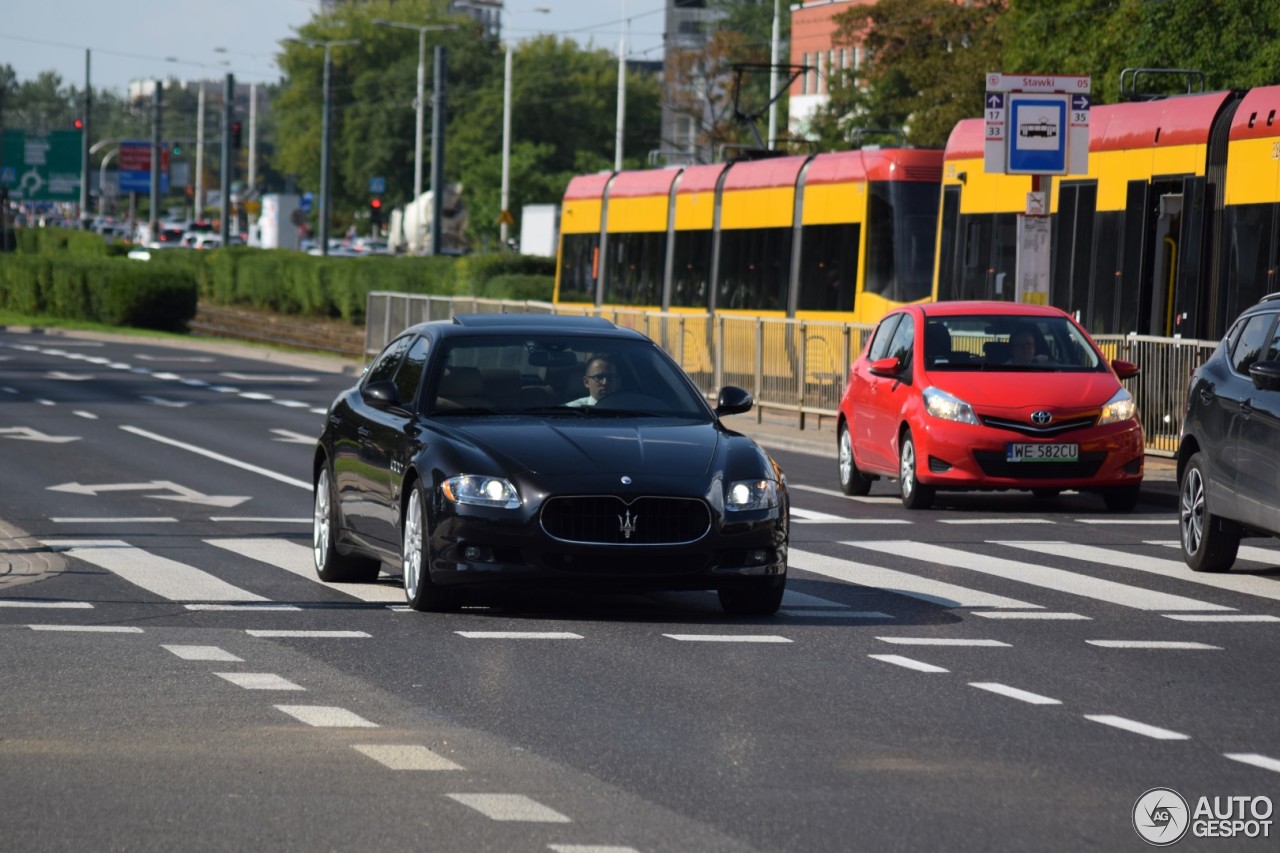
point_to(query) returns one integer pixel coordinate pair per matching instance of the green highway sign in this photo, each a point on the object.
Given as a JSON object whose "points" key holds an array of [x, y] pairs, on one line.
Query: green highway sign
{"points": [[41, 167]]}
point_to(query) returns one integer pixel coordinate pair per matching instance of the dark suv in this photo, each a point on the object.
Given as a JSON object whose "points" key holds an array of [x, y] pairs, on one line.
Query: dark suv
{"points": [[1229, 457]]}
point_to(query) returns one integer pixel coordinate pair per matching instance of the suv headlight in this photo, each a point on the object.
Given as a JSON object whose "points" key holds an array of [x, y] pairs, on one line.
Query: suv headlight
{"points": [[751, 494], [942, 405], [1119, 408], [481, 491]]}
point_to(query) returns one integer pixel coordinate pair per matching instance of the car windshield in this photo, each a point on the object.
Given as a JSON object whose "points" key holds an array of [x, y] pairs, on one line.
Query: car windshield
{"points": [[1007, 343], [560, 376]]}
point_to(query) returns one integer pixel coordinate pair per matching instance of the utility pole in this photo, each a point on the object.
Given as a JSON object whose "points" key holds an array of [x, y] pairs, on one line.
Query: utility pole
{"points": [[437, 148], [228, 112], [199, 199], [153, 216], [86, 218]]}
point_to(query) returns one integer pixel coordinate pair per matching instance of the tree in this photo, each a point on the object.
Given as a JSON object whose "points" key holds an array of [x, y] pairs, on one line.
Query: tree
{"points": [[925, 68]]}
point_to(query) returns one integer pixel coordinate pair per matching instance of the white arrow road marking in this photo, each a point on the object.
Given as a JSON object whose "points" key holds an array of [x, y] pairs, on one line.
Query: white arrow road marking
{"points": [[290, 437], [68, 377], [264, 377], [184, 494], [29, 434]]}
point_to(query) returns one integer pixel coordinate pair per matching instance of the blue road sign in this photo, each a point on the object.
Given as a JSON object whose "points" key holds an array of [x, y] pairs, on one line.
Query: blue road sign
{"points": [[377, 185], [1037, 134]]}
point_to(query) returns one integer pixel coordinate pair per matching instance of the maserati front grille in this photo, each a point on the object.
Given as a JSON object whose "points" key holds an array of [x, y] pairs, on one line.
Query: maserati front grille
{"points": [[610, 520]]}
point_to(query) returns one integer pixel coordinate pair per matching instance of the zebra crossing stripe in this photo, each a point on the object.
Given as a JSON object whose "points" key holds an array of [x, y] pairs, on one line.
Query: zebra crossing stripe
{"points": [[298, 559], [510, 807], [1176, 569], [901, 583], [405, 756], [1041, 576], [158, 575], [326, 716]]}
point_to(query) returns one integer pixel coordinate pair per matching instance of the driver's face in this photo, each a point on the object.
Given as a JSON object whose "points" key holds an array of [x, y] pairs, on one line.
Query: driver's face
{"points": [[601, 379]]}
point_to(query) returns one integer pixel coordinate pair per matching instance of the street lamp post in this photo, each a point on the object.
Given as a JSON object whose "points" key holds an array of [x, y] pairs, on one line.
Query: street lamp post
{"points": [[328, 46], [505, 200], [422, 29]]}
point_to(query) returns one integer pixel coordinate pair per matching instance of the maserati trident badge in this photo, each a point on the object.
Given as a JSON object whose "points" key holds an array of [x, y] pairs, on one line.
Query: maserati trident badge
{"points": [[627, 524]]}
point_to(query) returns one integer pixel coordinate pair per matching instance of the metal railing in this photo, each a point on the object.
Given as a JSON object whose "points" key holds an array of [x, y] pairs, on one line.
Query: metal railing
{"points": [[799, 366]]}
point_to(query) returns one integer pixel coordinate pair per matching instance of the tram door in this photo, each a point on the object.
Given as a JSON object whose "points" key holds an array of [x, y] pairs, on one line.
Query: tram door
{"points": [[1164, 271]]}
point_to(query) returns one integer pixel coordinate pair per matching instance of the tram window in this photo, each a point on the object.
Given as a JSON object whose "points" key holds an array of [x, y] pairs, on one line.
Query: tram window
{"points": [[1073, 246], [1250, 229], [755, 267], [828, 267], [577, 275], [901, 229], [1004, 258], [691, 274], [636, 263]]}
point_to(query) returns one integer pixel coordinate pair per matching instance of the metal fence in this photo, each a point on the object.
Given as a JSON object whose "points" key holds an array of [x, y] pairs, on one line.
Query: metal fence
{"points": [[798, 366]]}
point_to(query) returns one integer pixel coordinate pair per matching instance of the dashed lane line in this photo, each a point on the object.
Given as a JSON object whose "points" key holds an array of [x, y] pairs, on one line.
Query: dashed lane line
{"points": [[206, 653], [259, 681], [338, 635], [89, 629], [326, 716], [510, 807], [943, 641], [727, 638], [1136, 727], [909, 663], [1152, 644], [405, 756], [1255, 759], [1015, 693]]}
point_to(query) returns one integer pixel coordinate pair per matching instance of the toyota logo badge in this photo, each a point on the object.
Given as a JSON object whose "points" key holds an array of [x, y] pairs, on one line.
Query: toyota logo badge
{"points": [[1041, 418]]}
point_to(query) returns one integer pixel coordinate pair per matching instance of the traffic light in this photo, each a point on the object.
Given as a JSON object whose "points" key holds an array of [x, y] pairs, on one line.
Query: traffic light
{"points": [[235, 134], [375, 211], [176, 148], [78, 124]]}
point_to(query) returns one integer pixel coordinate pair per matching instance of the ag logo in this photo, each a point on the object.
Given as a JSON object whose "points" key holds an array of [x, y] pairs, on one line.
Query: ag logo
{"points": [[1161, 816]]}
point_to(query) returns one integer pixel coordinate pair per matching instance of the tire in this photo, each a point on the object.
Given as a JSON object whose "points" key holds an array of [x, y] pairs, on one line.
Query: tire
{"points": [[1121, 498], [758, 599], [915, 495], [419, 591], [331, 566], [1209, 543], [852, 481]]}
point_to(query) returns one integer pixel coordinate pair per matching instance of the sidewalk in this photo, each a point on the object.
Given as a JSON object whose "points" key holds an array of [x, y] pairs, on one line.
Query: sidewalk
{"points": [[780, 430]]}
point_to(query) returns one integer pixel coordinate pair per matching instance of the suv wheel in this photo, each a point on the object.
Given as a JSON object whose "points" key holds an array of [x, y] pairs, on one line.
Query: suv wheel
{"points": [[1209, 543]]}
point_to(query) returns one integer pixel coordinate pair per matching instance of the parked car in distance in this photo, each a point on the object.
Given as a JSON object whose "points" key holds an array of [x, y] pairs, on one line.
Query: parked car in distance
{"points": [[539, 452], [1229, 452], [988, 395]]}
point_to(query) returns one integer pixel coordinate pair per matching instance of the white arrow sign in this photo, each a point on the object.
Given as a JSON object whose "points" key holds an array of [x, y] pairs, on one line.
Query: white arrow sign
{"points": [[183, 494], [29, 434]]}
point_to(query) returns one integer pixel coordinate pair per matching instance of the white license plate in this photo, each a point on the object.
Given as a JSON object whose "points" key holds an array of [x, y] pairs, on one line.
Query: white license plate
{"points": [[1042, 452]]}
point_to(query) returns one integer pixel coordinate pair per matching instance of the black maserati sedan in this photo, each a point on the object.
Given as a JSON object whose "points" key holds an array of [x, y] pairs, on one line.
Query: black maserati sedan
{"points": [[543, 451]]}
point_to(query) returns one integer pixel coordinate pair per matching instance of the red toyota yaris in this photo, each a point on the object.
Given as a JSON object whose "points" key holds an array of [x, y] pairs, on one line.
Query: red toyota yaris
{"points": [[988, 395]]}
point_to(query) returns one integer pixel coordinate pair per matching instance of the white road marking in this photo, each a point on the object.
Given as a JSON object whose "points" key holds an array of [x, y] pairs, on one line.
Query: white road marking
{"points": [[1136, 727], [1018, 521], [198, 359], [291, 404], [262, 520], [1150, 644], [1015, 693], [590, 848], [519, 635], [510, 807], [1176, 569], [1221, 617], [728, 638], [298, 559], [292, 481], [224, 389], [89, 416], [339, 635], [808, 516], [1127, 521], [153, 519], [29, 434], [909, 663], [42, 401], [291, 437], [405, 756], [1255, 759], [254, 377], [1252, 553], [161, 401], [326, 716], [901, 583], [940, 641], [159, 575], [52, 605], [255, 395], [89, 629], [212, 653], [69, 377], [817, 490], [241, 608], [1041, 614], [259, 681], [1041, 576], [792, 598], [168, 377]]}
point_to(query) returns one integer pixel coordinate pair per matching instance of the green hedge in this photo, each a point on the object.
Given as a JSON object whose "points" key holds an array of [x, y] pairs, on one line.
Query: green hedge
{"points": [[75, 274]]}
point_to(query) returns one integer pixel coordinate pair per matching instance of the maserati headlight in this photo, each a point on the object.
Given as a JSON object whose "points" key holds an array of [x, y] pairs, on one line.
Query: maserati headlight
{"points": [[1119, 408], [481, 491], [942, 405], [751, 494]]}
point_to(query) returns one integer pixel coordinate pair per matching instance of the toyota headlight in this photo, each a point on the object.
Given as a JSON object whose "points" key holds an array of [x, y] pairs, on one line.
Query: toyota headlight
{"points": [[481, 491], [1119, 408], [948, 407], [751, 494]]}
